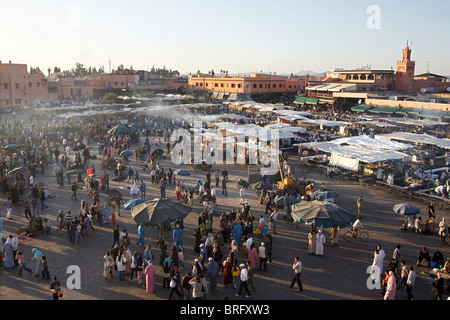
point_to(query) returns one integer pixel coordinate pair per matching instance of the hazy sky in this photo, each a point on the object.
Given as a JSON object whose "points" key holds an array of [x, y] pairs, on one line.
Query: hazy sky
{"points": [[280, 36]]}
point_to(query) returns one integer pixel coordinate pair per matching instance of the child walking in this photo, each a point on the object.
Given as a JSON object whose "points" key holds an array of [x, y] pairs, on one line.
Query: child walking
{"points": [[21, 259]]}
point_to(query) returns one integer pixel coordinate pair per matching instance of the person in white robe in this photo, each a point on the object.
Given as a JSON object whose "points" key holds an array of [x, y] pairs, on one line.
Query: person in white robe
{"points": [[377, 264], [320, 241]]}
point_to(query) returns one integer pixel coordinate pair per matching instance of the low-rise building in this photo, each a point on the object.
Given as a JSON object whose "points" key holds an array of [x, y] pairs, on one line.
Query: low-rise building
{"points": [[20, 88]]}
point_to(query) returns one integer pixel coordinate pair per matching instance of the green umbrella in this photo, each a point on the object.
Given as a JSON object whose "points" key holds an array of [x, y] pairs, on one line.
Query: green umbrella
{"points": [[322, 213], [12, 147], [159, 212]]}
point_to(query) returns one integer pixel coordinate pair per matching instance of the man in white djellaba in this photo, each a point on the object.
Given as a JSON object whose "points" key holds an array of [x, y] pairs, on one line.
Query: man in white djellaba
{"points": [[320, 241]]}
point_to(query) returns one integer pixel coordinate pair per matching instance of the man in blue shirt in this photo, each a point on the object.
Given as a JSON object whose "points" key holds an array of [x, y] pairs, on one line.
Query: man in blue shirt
{"points": [[177, 232], [142, 189]]}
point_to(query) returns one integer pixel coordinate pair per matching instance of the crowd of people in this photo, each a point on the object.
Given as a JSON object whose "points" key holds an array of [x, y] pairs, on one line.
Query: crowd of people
{"points": [[229, 251]]}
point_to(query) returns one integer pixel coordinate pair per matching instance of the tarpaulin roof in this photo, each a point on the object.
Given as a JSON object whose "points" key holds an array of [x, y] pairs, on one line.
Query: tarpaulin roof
{"points": [[416, 138]]}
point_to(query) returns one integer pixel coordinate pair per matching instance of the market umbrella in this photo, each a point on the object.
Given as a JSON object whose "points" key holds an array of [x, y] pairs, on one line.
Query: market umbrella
{"points": [[322, 195], [182, 172], [119, 129], [159, 212], [12, 147], [322, 213], [15, 170], [75, 171], [406, 209], [136, 125], [285, 200], [263, 185], [113, 193], [126, 153], [132, 203]]}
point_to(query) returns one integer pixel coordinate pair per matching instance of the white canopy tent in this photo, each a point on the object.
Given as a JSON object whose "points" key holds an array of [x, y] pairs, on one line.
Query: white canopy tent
{"points": [[415, 138]]}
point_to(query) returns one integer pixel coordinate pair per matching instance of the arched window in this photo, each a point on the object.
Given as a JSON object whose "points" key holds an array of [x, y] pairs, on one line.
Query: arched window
{"points": [[348, 77], [363, 77], [370, 77], [355, 77]]}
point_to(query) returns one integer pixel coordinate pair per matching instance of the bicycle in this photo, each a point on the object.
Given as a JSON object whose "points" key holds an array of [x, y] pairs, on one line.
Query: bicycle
{"points": [[350, 235]]}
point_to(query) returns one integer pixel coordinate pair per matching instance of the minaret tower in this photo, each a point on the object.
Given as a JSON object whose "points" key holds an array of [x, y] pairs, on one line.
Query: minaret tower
{"points": [[405, 72]]}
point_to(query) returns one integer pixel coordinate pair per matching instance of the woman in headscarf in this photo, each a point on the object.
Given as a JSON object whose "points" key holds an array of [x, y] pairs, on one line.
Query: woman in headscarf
{"points": [[391, 287], [233, 253], [134, 191], [134, 264], [443, 230], [253, 256], [197, 240], [311, 242], [37, 259], [226, 271], [150, 273], [9, 254], [108, 264], [174, 257]]}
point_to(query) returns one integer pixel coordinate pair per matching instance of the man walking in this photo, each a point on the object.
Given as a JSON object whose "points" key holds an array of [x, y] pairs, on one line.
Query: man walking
{"points": [[224, 186], [273, 221], [360, 205], [42, 198], [244, 282], [217, 176], [142, 188], [163, 188], [106, 179], [410, 283], [297, 267], [74, 191]]}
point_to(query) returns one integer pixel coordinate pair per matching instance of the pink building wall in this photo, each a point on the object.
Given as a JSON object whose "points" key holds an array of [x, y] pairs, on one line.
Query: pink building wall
{"points": [[19, 88]]}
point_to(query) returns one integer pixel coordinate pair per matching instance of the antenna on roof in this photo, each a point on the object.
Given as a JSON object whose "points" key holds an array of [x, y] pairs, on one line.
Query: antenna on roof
{"points": [[428, 66]]}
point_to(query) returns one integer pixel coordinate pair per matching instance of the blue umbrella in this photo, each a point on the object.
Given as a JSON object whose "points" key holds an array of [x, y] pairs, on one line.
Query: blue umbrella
{"points": [[132, 203], [285, 200], [120, 129], [126, 153], [406, 209], [136, 125], [182, 172]]}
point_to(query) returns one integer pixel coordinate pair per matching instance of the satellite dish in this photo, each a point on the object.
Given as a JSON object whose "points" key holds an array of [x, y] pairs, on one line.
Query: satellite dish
{"points": [[423, 90], [430, 89], [448, 89], [393, 98]]}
